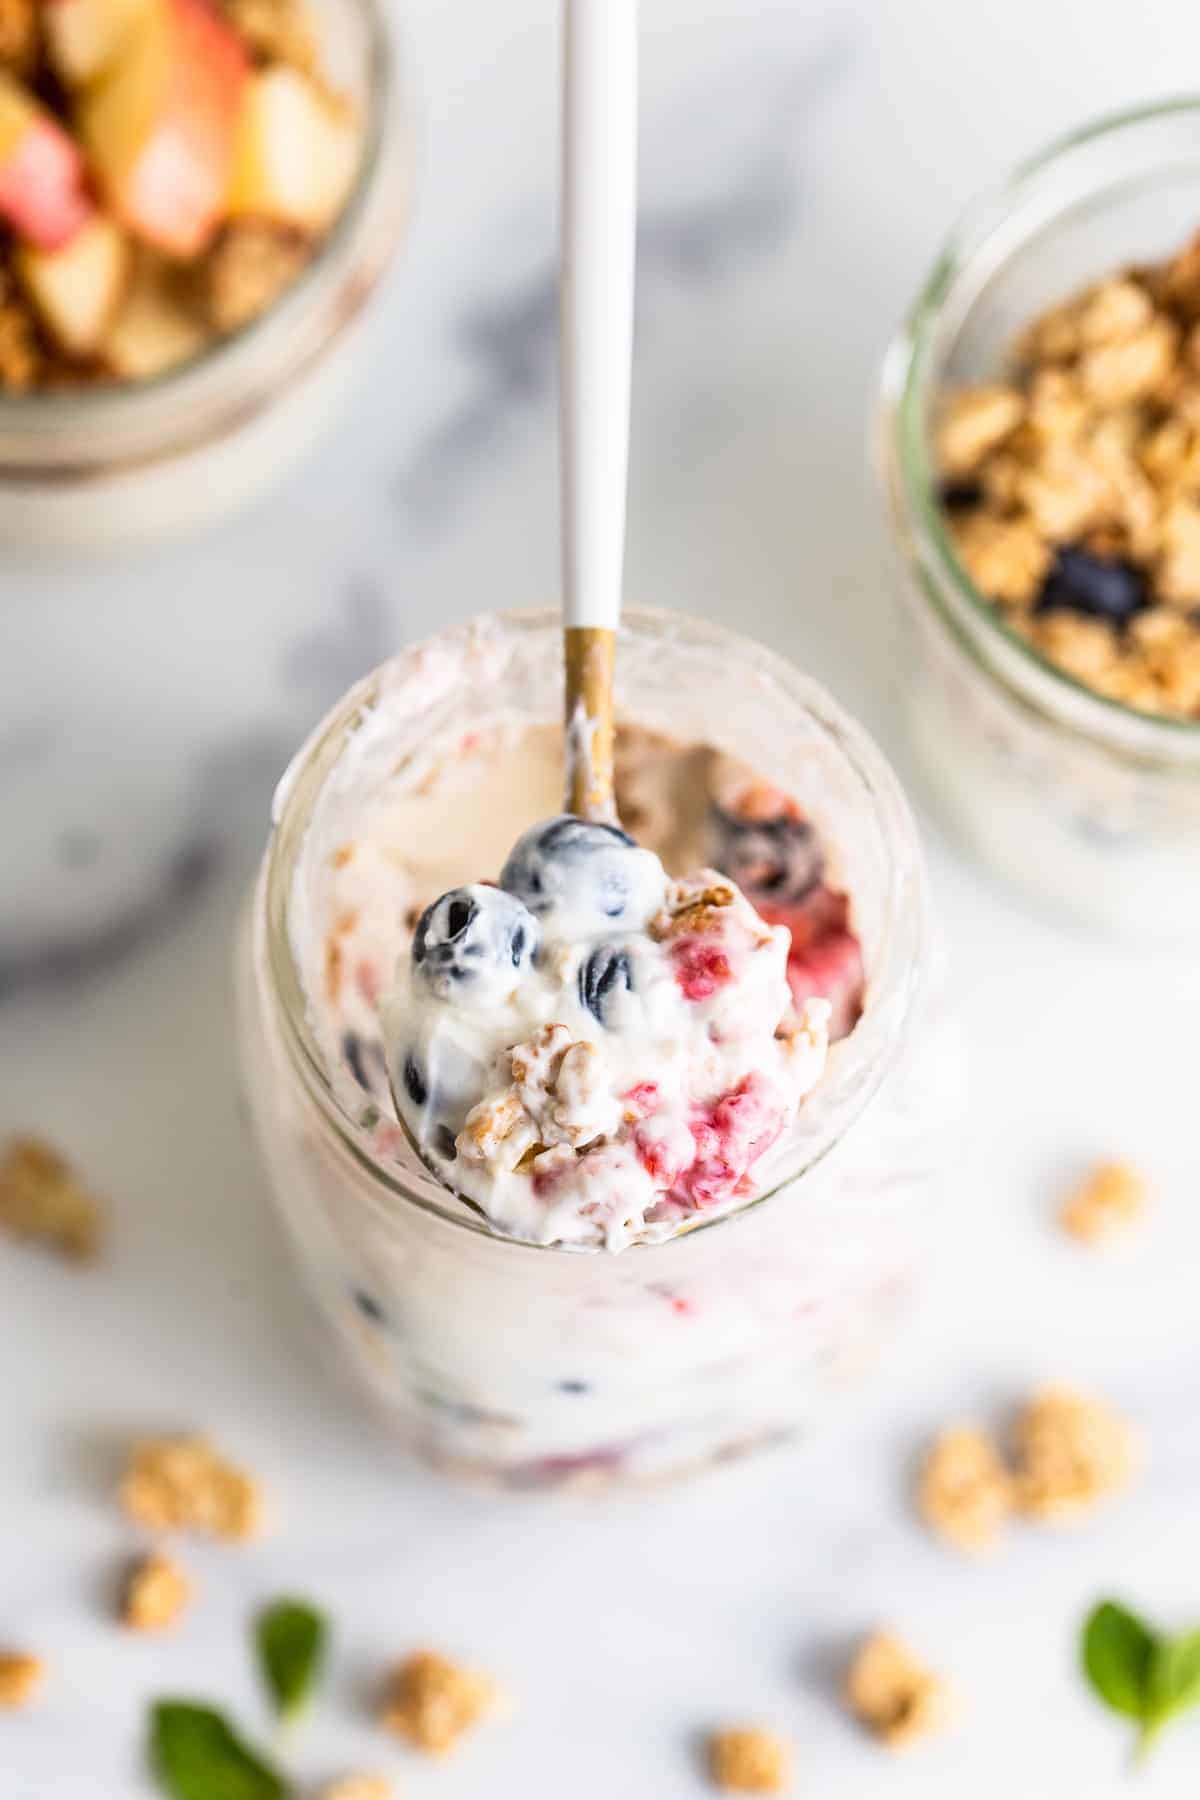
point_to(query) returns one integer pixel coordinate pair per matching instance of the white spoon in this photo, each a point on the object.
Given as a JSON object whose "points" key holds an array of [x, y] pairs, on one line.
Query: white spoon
{"points": [[599, 207]]}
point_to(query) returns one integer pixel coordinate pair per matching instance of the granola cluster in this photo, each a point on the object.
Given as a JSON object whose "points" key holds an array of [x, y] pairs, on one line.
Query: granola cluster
{"points": [[965, 1492], [21, 1676], [43, 1199], [155, 1595], [1072, 1451], [893, 1694], [1111, 1198], [1069, 1452], [184, 1484], [1072, 489], [359, 1787], [749, 1760], [430, 1701]]}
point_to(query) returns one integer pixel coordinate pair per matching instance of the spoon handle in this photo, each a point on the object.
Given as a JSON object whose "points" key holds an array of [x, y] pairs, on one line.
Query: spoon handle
{"points": [[599, 203]]}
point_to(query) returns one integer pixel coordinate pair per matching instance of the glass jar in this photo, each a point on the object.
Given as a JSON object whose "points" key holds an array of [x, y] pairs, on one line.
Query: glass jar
{"points": [[1082, 801], [530, 1365], [103, 465]]}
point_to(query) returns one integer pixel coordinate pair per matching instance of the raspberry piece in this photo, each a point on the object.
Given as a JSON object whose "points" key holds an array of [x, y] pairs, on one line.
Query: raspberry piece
{"points": [[701, 967]]}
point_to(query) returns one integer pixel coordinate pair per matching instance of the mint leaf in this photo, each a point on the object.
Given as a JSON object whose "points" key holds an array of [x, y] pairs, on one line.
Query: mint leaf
{"points": [[196, 1756], [1174, 1679], [1118, 1650], [291, 1637]]}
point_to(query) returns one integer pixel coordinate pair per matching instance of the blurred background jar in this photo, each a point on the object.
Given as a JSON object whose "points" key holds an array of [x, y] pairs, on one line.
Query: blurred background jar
{"points": [[1082, 801], [106, 463]]}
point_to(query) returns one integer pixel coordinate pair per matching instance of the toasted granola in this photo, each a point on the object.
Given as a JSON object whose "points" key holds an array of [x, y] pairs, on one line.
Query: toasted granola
{"points": [[248, 268], [1072, 487], [42, 1198], [155, 1595], [965, 1492], [279, 31], [359, 1787], [1107, 1202], [431, 1701], [19, 36], [1071, 1452], [749, 1760], [183, 1484], [21, 1675], [893, 1694]]}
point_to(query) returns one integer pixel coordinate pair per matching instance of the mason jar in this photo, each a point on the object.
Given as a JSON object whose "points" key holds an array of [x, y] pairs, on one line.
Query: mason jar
{"points": [[530, 1365], [1084, 802], [103, 465]]}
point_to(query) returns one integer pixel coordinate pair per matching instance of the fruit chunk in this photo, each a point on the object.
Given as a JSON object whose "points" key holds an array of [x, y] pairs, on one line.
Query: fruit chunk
{"points": [[41, 172], [297, 150], [83, 36], [76, 289], [154, 330], [159, 124]]}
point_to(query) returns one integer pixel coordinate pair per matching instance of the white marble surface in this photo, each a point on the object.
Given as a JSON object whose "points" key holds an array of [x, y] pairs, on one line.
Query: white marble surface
{"points": [[799, 166]]}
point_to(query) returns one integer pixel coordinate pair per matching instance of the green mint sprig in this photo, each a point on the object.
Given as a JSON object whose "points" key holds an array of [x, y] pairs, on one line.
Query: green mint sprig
{"points": [[196, 1755], [291, 1638], [1145, 1675]]}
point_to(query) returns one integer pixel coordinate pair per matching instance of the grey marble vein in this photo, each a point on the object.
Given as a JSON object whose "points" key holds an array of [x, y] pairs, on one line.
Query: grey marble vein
{"points": [[509, 341]]}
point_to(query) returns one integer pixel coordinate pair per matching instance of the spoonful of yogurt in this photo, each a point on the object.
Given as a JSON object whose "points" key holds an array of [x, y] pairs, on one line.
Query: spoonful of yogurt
{"points": [[589, 1052]]}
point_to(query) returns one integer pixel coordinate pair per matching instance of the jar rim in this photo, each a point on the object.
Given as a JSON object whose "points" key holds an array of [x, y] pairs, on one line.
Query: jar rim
{"points": [[113, 404], [911, 486], [893, 980]]}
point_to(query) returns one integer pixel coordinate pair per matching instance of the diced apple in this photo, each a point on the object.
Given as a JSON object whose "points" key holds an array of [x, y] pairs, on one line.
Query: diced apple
{"points": [[153, 330], [159, 124], [76, 289], [83, 36], [296, 152], [41, 172]]}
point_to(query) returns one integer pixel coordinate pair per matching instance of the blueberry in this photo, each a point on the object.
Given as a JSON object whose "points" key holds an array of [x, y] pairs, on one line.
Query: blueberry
{"points": [[444, 1144], [473, 944], [603, 976], [352, 1050], [777, 859], [369, 1307], [958, 496], [573, 1387], [1103, 587], [581, 877], [414, 1082]]}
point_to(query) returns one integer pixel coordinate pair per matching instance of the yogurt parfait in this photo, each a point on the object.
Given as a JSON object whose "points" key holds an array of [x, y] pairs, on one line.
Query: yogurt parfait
{"points": [[606, 1149]]}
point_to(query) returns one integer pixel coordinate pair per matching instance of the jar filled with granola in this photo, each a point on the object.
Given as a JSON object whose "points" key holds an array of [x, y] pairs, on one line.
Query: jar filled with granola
{"points": [[1041, 447], [532, 1360], [197, 198]]}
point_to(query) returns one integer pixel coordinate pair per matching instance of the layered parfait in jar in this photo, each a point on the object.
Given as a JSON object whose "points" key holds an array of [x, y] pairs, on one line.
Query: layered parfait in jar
{"points": [[606, 1149]]}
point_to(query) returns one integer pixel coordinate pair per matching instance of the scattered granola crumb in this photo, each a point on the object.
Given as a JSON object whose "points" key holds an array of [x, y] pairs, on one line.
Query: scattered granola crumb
{"points": [[21, 1675], [18, 35], [183, 1484], [749, 1760], [250, 265], [964, 1492], [431, 1701], [42, 1198], [359, 1787], [275, 30], [1112, 1198], [1071, 1451], [155, 1595], [894, 1695]]}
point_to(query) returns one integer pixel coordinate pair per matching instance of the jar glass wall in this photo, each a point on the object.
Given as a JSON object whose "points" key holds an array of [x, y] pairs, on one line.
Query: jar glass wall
{"points": [[529, 1365], [1085, 802]]}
